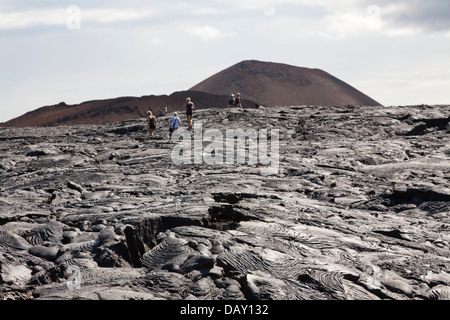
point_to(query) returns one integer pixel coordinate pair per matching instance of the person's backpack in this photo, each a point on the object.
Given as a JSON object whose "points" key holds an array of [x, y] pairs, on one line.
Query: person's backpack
{"points": [[174, 122], [153, 122], [231, 100]]}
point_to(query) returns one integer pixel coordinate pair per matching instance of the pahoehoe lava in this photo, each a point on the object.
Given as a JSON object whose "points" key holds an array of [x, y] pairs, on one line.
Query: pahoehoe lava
{"points": [[359, 210]]}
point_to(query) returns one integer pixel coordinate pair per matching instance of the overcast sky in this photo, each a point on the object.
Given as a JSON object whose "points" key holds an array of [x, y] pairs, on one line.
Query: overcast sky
{"points": [[397, 52]]}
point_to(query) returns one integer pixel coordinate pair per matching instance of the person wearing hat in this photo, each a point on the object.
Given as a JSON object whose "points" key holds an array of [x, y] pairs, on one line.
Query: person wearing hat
{"points": [[151, 122]]}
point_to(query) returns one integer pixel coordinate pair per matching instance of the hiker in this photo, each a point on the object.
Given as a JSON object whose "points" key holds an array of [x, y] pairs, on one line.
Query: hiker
{"points": [[151, 122], [231, 101], [237, 102], [174, 123], [189, 107]]}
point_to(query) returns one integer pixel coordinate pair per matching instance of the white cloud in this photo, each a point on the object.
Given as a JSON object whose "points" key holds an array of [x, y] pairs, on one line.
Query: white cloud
{"points": [[269, 12], [60, 17], [205, 11], [115, 15], [25, 19], [343, 24], [389, 18], [206, 33], [366, 20], [341, 19], [157, 41]]}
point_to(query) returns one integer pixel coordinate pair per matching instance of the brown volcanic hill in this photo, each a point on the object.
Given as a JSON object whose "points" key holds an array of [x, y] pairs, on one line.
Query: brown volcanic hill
{"points": [[116, 110], [274, 84], [267, 83]]}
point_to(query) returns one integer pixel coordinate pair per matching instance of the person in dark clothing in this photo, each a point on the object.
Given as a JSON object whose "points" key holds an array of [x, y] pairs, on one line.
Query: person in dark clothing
{"points": [[231, 101], [151, 122], [237, 101], [189, 109]]}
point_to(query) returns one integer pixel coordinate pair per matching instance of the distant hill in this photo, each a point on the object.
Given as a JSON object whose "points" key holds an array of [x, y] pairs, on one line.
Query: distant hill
{"points": [[264, 83], [116, 110], [275, 84]]}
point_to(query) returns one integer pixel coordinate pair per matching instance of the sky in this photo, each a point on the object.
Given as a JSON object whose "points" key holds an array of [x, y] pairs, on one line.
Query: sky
{"points": [[396, 52]]}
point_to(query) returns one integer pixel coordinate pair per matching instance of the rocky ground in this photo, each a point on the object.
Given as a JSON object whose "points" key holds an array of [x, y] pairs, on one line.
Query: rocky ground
{"points": [[359, 209]]}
